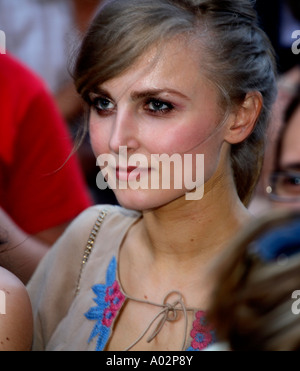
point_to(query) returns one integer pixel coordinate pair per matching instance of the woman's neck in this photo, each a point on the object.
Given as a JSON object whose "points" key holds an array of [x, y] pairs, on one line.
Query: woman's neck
{"points": [[185, 229], [179, 241]]}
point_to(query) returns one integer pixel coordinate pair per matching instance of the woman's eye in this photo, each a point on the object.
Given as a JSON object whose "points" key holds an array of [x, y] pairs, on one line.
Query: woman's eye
{"points": [[292, 181], [289, 185], [158, 106], [103, 105]]}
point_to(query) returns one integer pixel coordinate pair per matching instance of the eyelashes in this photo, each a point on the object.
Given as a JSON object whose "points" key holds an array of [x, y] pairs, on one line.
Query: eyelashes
{"points": [[102, 105], [105, 106], [158, 106]]}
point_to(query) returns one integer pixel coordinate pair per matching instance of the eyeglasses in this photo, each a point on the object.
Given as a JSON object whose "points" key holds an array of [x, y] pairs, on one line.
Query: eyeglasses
{"points": [[284, 186]]}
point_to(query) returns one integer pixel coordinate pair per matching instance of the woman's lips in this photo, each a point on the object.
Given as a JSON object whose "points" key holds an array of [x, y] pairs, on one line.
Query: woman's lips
{"points": [[123, 174]]}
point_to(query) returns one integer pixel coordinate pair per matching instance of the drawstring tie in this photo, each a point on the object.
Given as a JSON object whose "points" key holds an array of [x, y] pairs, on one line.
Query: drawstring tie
{"points": [[168, 313]]}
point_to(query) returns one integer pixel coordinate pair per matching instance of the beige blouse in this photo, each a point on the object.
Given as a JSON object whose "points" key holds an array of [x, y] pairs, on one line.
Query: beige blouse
{"points": [[72, 315]]}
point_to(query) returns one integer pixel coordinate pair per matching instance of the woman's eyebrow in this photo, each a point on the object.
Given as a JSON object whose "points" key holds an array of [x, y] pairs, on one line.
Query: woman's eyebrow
{"points": [[99, 92], [150, 93], [137, 95], [291, 166]]}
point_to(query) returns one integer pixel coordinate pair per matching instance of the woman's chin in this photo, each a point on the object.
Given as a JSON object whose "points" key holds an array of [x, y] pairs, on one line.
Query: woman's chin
{"points": [[142, 200]]}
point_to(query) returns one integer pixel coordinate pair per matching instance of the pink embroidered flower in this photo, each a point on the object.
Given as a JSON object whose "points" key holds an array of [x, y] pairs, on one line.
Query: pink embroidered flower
{"points": [[114, 299], [202, 333], [114, 296]]}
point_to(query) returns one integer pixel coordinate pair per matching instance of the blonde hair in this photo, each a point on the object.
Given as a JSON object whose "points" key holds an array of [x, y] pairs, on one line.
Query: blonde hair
{"points": [[236, 56], [252, 303]]}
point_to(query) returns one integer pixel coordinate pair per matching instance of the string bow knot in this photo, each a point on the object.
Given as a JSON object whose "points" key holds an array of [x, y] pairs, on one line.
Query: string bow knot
{"points": [[168, 313]]}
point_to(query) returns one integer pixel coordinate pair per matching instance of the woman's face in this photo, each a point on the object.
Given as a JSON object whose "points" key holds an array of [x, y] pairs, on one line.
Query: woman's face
{"points": [[290, 156], [288, 184], [162, 106]]}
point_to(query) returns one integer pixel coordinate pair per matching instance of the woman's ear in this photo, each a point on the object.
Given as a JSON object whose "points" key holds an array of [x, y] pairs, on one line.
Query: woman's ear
{"points": [[242, 122]]}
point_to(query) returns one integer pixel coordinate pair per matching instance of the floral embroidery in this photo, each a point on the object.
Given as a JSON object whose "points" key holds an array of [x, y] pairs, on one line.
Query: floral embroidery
{"points": [[202, 333], [109, 300]]}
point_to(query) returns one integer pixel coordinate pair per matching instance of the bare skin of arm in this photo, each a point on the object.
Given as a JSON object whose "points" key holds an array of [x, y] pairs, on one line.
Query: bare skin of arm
{"points": [[21, 253], [16, 324]]}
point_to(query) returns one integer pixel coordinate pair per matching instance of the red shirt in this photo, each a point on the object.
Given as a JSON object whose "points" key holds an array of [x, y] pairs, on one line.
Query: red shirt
{"points": [[38, 188]]}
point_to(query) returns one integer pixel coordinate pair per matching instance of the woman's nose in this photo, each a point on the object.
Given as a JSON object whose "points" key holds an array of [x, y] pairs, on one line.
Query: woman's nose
{"points": [[124, 132]]}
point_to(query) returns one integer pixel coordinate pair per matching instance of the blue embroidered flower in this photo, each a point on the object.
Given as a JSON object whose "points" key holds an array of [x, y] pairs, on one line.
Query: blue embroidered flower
{"points": [[109, 300]]}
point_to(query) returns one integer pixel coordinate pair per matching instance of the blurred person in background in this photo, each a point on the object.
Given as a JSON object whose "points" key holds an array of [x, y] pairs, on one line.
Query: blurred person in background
{"points": [[282, 111], [279, 19], [254, 305], [16, 325], [284, 181], [16, 322], [41, 187], [44, 35]]}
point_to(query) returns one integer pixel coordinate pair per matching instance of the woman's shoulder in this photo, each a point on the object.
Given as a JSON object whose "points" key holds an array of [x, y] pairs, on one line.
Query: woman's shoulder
{"points": [[112, 210], [114, 218], [16, 322], [60, 275], [103, 227], [66, 254]]}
